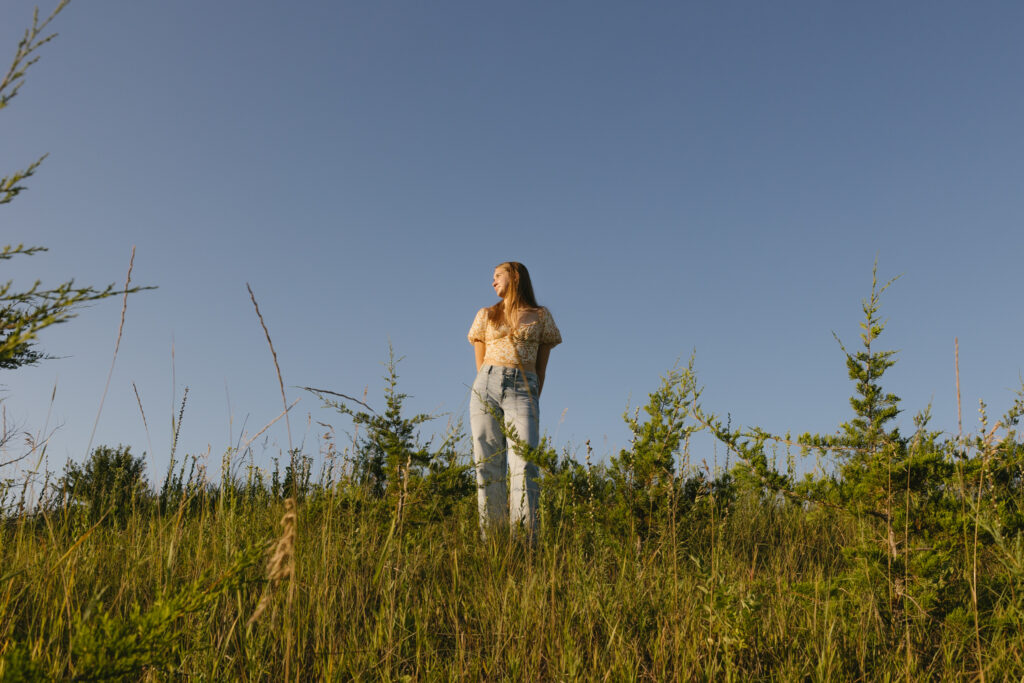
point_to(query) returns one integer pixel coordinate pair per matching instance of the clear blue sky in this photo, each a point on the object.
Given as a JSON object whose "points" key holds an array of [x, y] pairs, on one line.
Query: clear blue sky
{"points": [[714, 176]]}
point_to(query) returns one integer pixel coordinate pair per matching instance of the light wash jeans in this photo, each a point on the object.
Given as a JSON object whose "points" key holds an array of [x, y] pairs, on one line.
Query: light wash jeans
{"points": [[508, 395]]}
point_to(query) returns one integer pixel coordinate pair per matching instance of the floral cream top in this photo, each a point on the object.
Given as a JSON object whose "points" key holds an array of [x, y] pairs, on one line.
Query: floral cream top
{"points": [[518, 347]]}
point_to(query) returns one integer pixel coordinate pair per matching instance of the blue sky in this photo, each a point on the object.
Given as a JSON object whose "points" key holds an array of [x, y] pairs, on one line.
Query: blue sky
{"points": [[716, 177]]}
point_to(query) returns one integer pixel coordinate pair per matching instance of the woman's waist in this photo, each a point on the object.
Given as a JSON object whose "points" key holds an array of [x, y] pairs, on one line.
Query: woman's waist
{"points": [[511, 358], [493, 367]]}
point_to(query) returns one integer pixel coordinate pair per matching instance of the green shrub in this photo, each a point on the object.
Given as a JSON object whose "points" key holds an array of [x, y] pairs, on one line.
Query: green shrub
{"points": [[109, 486], [391, 462]]}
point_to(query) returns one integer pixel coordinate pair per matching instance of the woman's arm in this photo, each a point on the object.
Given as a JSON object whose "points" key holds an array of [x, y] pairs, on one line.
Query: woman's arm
{"points": [[480, 349], [542, 365]]}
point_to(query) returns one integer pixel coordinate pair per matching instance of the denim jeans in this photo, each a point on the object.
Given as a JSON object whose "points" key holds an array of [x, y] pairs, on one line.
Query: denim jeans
{"points": [[506, 395]]}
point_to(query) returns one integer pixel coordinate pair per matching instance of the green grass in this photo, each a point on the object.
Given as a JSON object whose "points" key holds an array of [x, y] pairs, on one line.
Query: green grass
{"points": [[905, 562], [759, 590]]}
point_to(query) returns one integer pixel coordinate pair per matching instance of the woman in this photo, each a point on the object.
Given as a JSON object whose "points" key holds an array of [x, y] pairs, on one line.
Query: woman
{"points": [[512, 340]]}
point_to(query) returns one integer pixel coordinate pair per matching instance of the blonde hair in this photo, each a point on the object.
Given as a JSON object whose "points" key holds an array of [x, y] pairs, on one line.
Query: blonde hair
{"points": [[518, 295]]}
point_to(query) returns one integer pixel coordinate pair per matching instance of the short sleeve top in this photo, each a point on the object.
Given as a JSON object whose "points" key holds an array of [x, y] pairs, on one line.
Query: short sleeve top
{"points": [[518, 347]]}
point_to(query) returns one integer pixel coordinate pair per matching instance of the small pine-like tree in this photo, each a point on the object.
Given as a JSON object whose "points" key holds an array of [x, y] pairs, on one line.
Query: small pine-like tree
{"points": [[645, 473], [873, 407], [389, 442], [23, 314], [650, 459], [391, 460]]}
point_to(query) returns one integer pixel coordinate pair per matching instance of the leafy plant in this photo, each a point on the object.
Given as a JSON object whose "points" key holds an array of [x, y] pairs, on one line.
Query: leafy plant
{"points": [[390, 460], [646, 474], [25, 313], [108, 486]]}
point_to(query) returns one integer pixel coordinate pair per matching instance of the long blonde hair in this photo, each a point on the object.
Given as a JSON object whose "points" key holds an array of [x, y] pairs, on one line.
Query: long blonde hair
{"points": [[518, 295]]}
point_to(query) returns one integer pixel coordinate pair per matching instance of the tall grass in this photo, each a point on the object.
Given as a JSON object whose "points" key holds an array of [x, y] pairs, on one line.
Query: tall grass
{"points": [[905, 562], [726, 583]]}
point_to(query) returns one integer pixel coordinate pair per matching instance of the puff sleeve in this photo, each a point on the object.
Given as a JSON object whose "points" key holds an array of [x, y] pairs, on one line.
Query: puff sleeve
{"points": [[549, 335], [478, 329]]}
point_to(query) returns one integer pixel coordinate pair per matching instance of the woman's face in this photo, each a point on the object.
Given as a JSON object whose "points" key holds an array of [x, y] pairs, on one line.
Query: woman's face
{"points": [[501, 281]]}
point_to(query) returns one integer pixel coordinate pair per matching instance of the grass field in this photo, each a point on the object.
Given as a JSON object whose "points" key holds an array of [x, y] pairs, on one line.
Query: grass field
{"points": [[643, 568], [904, 560]]}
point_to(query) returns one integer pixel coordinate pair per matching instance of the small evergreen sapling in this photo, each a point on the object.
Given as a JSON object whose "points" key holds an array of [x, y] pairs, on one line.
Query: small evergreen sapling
{"points": [[23, 314], [390, 460], [873, 407]]}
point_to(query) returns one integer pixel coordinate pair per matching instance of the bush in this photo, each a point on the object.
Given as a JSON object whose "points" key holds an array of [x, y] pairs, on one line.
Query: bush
{"points": [[392, 464], [108, 487]]}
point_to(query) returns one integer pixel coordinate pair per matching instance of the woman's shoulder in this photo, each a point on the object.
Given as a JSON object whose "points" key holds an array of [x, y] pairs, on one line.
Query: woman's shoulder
{"points": [[483, 316], [550, 333]]}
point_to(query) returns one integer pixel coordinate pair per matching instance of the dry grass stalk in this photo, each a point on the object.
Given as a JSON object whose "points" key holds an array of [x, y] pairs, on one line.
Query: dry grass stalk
{"points": [[283, 413], [959, 412], [117, 346], [281, 565], [138, 399], [277, 367]]}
